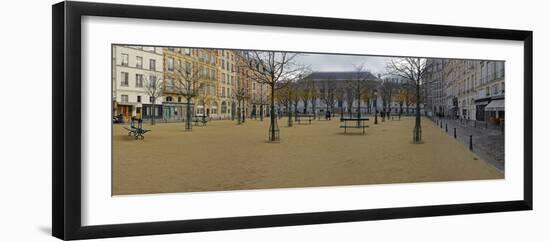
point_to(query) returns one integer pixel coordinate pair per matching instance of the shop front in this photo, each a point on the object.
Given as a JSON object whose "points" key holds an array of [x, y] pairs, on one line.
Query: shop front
{"points": [[480, 108], [149, 111], [173, 111], [495, 111], [128, 110]]}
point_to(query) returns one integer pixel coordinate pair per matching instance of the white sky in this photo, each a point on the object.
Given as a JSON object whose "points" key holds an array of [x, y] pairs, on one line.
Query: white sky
{"points": [[340, 62]]}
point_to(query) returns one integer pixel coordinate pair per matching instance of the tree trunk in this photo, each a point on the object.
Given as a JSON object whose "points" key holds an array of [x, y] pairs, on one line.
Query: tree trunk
{"points": [[417, 137], [239, 112], [272, 124], [358, 103], [188, 114], [152, 113]]}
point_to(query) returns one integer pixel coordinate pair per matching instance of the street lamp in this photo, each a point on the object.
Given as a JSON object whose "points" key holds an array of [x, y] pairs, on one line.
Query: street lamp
{"points": [[375, 106]]}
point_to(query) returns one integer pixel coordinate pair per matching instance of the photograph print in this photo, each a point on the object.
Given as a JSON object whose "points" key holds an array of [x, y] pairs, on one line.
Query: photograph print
{"points": [[188, 119]]}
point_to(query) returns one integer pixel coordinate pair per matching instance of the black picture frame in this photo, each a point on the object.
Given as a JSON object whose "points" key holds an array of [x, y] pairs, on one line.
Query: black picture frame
{"points": [[66, 153]]}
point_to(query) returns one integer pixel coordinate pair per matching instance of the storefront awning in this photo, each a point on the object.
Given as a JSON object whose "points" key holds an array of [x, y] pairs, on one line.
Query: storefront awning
{"points": [[495, 105]]}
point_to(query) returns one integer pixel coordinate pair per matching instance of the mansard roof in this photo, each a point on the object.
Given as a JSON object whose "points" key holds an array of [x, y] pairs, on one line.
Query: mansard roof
{"points": [[339, 75]]}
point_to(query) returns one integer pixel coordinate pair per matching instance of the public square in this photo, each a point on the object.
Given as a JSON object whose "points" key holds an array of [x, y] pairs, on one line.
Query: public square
{"points": [[225, 156]]}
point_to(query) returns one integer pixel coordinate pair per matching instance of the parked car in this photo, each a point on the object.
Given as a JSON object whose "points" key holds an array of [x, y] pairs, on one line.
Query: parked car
{"points": [[118, 119]]}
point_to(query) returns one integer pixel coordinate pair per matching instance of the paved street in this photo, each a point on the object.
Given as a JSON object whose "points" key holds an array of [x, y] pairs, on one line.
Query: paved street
{"points": [[488, 141]]}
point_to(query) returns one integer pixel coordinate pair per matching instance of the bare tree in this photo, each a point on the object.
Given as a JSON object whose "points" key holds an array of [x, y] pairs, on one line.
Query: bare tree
{"points": [[350, 95], [354, 88], [340, 93], [412, 70], [153, 86], [388, 89], [313, 95], [271, 68], [261, 100], [240, 92], [295, 96], [205, 94], [367, 93], [188, 84], [328, 94], [303, 94], [284, 97]]}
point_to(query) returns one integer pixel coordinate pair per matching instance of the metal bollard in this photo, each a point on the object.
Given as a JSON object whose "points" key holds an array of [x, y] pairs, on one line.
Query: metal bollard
{"points": [[471, 144], [455, 132], [446, 129]]}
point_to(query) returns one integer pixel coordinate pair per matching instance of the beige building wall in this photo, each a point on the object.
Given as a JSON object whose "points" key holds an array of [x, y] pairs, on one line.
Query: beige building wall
{"points": [[226, 68]]}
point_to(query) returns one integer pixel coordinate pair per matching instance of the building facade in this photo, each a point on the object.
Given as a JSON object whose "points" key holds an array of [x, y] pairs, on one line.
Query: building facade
{"points": [[226, 70], [133, 68], [200, 62], [465, 89]]}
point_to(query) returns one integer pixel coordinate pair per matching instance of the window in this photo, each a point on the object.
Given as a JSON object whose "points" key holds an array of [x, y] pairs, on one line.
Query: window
{"points": [[139, 98], [502, 87], [200, 109], [124, 98], [139, 62], [223, 91], [152, 81], [168, 98], [223, 64], [139, 80], [224, 107], [187, 51], [124, 79], [188, 67], [179, 99], [170, 81], [170, 64], [124, 60], [152, 64]]}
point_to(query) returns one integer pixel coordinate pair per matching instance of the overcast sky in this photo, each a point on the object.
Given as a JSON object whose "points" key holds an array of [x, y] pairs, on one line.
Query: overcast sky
{"points": [[335, 62]]}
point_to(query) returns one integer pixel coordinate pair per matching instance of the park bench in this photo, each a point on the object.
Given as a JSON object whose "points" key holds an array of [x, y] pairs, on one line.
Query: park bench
{"points": [[299, 118], [200, 119], [137, 131], [355, 123]]}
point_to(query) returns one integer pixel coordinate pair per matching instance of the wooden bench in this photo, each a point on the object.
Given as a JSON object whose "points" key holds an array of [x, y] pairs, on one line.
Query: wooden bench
{"points": [[299, 118], [359, 123]]}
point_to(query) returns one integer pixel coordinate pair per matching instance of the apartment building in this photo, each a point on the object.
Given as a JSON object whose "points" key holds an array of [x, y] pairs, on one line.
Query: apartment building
{"points": [[133, 68]]}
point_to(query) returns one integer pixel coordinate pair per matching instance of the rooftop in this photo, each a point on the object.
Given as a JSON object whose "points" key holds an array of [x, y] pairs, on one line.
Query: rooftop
{"points": [[341, 75]]}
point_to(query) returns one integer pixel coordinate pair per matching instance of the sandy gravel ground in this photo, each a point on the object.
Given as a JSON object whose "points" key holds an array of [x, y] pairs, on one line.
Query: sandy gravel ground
{"points": [[225, 156]]}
